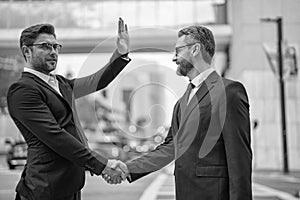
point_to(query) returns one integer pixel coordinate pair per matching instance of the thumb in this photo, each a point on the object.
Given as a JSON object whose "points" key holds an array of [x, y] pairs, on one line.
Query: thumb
{"points": [[112, 164], [123, 167]]}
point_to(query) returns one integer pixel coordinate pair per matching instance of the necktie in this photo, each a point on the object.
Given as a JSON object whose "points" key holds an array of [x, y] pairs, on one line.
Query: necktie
{"points": [[188, 92], [53, 83], [185, 97], [52, 80]]}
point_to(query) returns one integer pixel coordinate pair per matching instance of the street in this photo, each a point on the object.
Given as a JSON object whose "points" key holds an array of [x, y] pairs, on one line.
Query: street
{"points": [[95, 187], [158, 186]]}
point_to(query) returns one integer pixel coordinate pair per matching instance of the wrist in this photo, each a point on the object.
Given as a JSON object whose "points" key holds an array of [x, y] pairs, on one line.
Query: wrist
{"points": [[125, 56]]}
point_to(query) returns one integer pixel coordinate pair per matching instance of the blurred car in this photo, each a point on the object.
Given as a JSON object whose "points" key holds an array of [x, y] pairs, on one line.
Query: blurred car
{"points": [[16, 154]]}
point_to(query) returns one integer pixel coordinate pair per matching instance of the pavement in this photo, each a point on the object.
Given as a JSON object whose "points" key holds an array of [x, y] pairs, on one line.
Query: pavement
{"points": [[267, 185], [271, 185]]}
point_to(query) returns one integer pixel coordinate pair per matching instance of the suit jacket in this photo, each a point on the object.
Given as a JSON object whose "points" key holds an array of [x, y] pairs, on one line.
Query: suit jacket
{"points": [[210, 142], [57, 154]]}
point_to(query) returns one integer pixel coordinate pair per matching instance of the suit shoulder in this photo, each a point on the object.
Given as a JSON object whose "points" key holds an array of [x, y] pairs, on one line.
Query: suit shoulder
{"points": [[61, 78], [65, 80], [21, 84], [232, 85], [235, 90]]}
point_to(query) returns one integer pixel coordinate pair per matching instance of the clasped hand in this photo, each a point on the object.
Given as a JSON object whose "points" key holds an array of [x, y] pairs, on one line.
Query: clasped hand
{"points": [[115, 172]]}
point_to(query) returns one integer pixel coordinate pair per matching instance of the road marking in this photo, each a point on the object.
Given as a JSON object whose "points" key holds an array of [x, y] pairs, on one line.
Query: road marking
{"points": [[163, 187], [281, 177], [277, 193], [152, 190]]}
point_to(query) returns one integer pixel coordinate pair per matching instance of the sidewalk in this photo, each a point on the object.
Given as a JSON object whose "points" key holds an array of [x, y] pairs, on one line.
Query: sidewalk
{"points": [[271, 185], [288, 183]]}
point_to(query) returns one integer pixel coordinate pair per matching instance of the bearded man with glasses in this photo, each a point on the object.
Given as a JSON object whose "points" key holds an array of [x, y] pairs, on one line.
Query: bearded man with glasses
{"points": [[42, 106], [209, 137]]}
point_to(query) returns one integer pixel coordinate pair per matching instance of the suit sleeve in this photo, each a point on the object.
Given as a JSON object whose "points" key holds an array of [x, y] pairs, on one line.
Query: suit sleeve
{"points": [[158, 158], [99, 80], [236, 135], [27, 107]]}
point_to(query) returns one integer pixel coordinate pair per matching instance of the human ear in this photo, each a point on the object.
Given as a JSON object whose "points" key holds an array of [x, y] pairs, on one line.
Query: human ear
{"points": [[27, 53], [197, 49]]}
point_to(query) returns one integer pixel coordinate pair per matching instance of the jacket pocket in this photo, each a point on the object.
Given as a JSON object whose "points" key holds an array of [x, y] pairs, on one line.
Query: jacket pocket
{"points": [[212, 171]]}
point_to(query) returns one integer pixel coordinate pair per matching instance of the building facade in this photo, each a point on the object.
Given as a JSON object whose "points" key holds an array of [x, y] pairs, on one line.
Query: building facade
{"points": [[249, 64]]}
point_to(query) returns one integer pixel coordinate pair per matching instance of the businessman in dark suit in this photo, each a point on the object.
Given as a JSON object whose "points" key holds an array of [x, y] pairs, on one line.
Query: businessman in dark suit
{"points": [[42, 106], [209, 137]]}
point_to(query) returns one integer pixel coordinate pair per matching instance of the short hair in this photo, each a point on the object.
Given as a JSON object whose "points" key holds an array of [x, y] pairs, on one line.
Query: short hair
{"points": [[29, 35], [204, 36]]}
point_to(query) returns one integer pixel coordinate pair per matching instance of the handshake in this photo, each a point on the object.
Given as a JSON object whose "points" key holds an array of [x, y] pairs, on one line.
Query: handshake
{"points": [[115, 172]]}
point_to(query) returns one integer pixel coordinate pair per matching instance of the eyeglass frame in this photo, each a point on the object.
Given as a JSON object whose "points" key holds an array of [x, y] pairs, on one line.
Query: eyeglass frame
{"points": [[176, 48], [57, 48]]}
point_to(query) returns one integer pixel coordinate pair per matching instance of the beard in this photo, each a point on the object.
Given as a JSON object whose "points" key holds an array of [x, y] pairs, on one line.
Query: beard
{"points": [[43, 65], [184, 67]]}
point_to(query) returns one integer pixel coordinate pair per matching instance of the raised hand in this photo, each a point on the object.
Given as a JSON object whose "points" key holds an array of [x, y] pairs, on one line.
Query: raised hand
{"points": [[123, 40], [115, 172]]}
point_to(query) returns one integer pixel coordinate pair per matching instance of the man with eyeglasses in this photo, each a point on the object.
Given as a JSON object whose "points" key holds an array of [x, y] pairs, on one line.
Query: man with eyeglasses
{"points": [[209, 137], [42, 106]]}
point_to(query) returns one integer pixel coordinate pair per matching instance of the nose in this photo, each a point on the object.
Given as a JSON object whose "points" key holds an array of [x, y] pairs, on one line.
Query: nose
{"points": [[174, 59], [53, 51]]}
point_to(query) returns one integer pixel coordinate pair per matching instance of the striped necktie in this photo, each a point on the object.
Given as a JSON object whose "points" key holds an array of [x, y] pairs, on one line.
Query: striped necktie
{"points": [[54, 83]]}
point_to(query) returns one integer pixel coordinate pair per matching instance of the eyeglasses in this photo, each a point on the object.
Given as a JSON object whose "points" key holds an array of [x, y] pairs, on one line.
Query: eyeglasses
{"points": [[177, 48], [48, 46]]}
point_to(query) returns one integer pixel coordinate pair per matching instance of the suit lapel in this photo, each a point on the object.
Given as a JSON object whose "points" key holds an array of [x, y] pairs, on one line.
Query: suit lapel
{"points": [[65, 91], [204, 89], [66, 99], [44, 84]]}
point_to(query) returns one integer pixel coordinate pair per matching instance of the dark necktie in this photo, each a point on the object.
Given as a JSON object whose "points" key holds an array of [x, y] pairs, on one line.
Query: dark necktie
{"points": [[184, 100], [188, 92]]}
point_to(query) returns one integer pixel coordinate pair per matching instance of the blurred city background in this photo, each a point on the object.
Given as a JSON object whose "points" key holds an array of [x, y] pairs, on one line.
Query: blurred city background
{"points": [[132, 115]]}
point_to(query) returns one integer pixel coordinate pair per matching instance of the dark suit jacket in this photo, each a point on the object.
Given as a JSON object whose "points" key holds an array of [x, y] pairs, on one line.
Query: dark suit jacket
{"points": [[210, 142], [57, 157]]}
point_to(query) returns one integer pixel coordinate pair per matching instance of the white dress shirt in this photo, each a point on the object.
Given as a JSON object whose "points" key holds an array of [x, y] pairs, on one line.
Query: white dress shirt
{"points": [[198, 80], [50, 80]]}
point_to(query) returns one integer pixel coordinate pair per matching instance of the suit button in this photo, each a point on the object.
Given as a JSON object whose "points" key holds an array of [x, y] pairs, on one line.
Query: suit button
{"points": [[180, 145]]}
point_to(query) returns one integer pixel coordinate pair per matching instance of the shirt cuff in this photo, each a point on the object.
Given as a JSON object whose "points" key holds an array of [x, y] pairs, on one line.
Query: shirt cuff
{"points": [[125, 57]]}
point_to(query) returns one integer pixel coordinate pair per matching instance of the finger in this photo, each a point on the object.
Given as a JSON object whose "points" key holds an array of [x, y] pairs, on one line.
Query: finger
{"points": [[106, 178], [123, 167], [122, 25], [119, 25], [123, 176], [114, 165], [129, 178], [118, 180], [126, 28], [115, 180]]}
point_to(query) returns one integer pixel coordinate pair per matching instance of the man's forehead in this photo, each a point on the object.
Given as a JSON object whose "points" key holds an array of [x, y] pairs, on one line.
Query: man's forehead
{"points": [[44, 37], [181, 41]]}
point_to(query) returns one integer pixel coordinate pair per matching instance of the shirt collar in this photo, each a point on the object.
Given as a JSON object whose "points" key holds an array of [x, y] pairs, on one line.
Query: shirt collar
{"points": [[201, 77], [42, 76]]}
